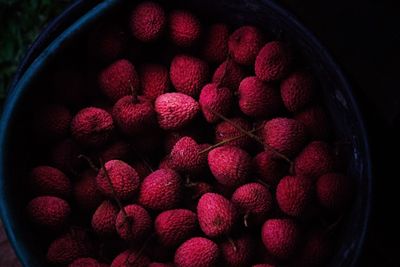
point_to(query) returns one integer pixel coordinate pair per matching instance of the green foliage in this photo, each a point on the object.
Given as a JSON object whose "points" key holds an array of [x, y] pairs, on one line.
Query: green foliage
{"points": [[21, 21]]}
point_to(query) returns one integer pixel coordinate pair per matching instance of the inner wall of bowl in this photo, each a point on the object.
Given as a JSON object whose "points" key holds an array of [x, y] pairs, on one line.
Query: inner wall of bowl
{"points": [[21, 153]]}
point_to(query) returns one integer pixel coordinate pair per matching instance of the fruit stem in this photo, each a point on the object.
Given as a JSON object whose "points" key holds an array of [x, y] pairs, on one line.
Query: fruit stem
{"points": [[89, 161], [232, 243], [245, 220], [224, 72], [133, 92], [249, 134], [263, 183]]}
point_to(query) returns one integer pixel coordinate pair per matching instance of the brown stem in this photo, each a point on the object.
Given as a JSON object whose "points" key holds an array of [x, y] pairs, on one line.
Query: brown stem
{"points": [[133, 92], [263, 183], [232, 243], [224, 72], [89, 161], [246, 220]]}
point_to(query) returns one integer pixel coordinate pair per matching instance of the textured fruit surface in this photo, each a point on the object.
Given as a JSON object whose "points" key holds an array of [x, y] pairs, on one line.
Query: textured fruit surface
{"points": [[147, 21], [228, 74], [103, 219], [269, 168], [172, 227], [244, 44], [215, 47], [297, 90], [124, 180], [316, 122], [86, 194], [273, 61], [136, 225], [130, 258], [185, 156], [85, 262], [229, 165], [216, 214], [175, 110], [214, 98], [154, 80], [52, 121], [258, 99], [47, 211], [184, 28], [161, 190], [188, 74], [197, 252], [280, 237], [237, 252], [334, 191], [294, 194], [46, 180], [225, 130]]}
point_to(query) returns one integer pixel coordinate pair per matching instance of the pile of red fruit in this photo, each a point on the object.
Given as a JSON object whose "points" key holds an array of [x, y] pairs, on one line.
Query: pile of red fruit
{"points": [[222, 157]]}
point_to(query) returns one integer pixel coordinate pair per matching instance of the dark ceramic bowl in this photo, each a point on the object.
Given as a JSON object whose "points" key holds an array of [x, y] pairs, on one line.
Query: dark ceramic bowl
{"points": [[72, 25]]}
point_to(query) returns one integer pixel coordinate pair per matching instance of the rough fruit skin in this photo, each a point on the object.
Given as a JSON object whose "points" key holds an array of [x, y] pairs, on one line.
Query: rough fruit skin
{"points": [[130, 258], [64, 156], [48, 211], [103, 219], [244, 44], [225, 130], [230, 165], [269, 168], [297, 90], [253, 199], [69, 247], [197, 252], [217, 99], [147, 21], [172, 227], [316, 122], [185, 156], [280, 237], [46, 180], [159, 264], [133, 117], [52, 122], [85, 262], [107, 43], [188, 74], [273, 62], [124, 179], [216, 214], [154, 80], [136, 226], [258, 99], [118, 80], [334, 191], [314, 160], [184, 28], [92, 126], [228, 74], [161, 190], [239, 253], [215, 47], [285, 135], [175, 110], [86, 194], [294, 194]]}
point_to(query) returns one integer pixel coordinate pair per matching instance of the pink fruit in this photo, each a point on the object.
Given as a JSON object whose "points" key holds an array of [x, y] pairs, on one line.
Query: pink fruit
{"points": [[273, 62], [154, 80], [48, 212], [103, 219], [135, 225], [130, 258], [244, 44], [184, 28], [237, 252], [197, 252], [46, 180], [269, 168], [228, 74], [217, 99], [185, 156], [297, 90]]}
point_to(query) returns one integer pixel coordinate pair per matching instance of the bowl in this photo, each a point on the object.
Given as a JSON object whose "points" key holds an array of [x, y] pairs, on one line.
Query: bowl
{"points": [[68, 29]]}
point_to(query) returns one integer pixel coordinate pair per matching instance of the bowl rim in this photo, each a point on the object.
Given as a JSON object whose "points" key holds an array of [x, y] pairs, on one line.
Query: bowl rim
{"points": [[29, 67]]}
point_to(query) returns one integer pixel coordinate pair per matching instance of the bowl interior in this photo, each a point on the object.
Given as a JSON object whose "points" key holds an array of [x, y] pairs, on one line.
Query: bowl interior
{"points": [[20, 152]]}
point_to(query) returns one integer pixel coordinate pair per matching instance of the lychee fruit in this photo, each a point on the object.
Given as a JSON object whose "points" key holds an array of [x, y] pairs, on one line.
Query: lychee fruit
{"points": [[197, 189], [197, 252], [244, 44], [65, 156], [184, 28], [230, 165], [165, 163], [254, 201], [103, 219], [172, 227], [85, 262], [316, 122], [52, 122], [280, 237], [118, 80], [314, 160], [297, 90], [217, 99], [159, 264], [273, 62], [135, 225], [68, 247], [185, 156], [46, 180], [216, 214], [92, 126], [228, 74], [154, 80], [226, 130], [294, 194], [285, 135], [215, 48], [130, 258], [133, 115], [161, 190], [257, 98], [147, 21], [117, 150], [188, 74], [269, 168], [334, 191], [237, 252], [175, 110], [86, 193], [48, 212]]}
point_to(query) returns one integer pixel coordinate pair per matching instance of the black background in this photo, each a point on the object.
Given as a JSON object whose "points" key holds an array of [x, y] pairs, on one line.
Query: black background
{"points": [[364, 39]]}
